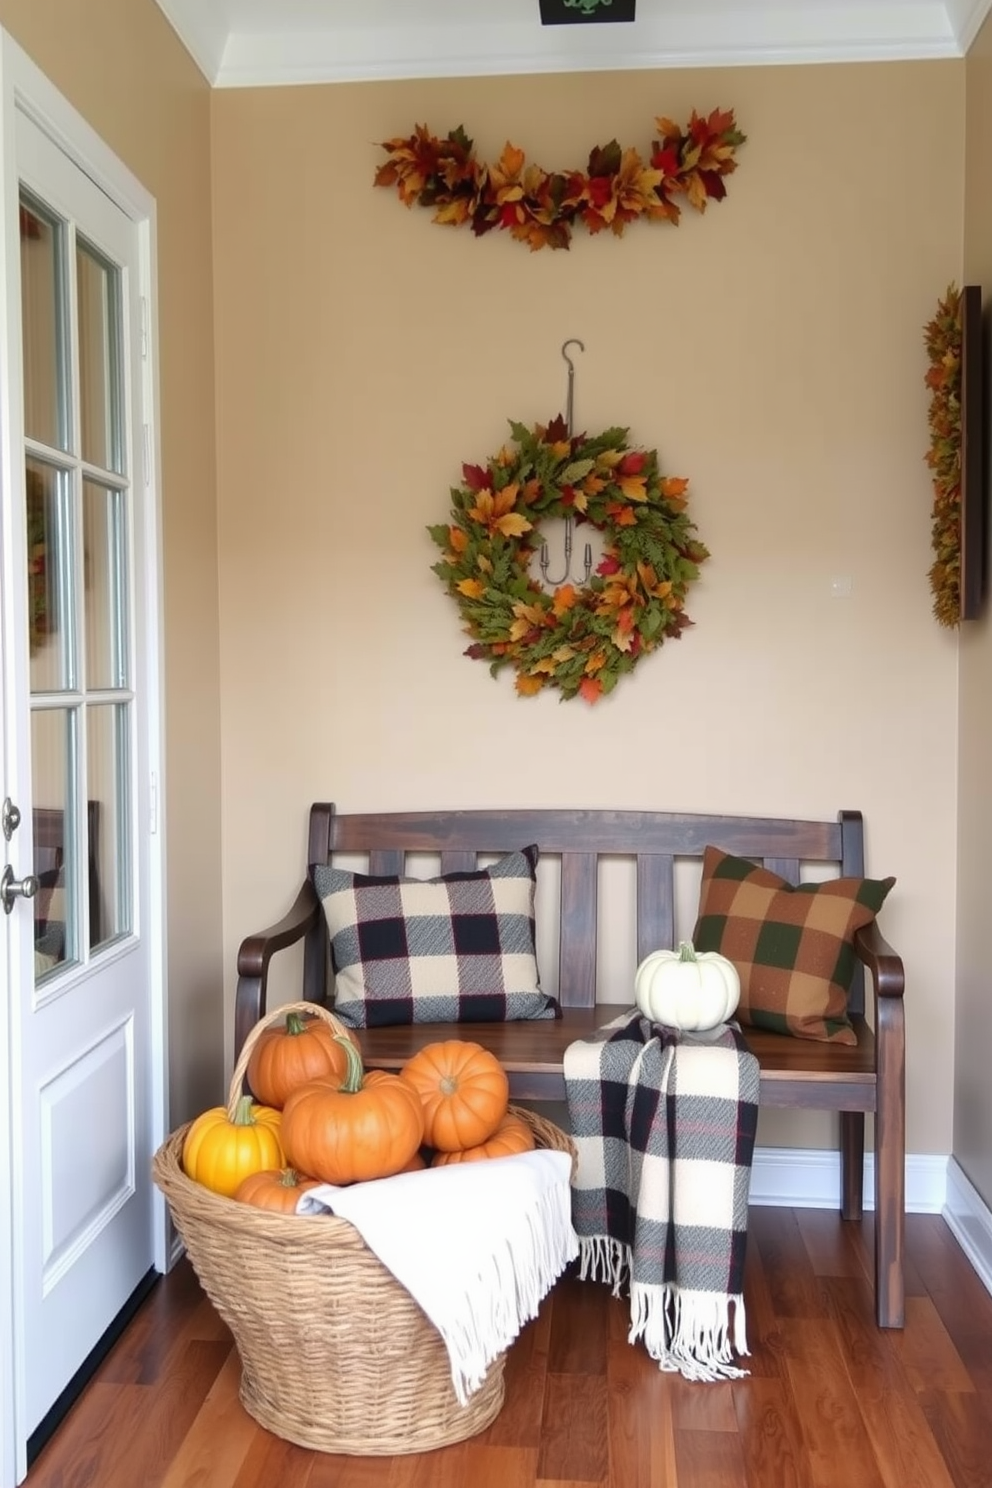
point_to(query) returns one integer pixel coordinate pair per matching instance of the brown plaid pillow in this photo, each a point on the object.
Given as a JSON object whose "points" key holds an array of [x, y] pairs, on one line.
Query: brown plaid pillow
{"points": [[792, 946]]}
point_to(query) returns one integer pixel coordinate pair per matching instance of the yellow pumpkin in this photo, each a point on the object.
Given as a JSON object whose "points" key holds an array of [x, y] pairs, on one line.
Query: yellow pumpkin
{"points": [[220, 1150]]}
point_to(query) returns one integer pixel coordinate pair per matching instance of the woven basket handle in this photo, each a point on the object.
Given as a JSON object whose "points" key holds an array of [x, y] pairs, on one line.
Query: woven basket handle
{"points": [[311, 1009]]}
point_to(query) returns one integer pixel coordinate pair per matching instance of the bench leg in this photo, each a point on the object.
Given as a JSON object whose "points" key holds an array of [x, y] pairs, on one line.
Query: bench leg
{"points": [[890, 1215], [852, 1164]]}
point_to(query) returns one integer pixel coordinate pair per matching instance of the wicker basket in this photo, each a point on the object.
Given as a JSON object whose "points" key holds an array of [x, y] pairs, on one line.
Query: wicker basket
{"points": [[335, 1353]]}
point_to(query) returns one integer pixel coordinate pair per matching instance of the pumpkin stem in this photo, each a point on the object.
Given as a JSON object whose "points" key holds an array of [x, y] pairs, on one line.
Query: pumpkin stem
{"points": [[686, 951], [295, 1024], [243, 1113], [355, 1073], [289, 1178]]}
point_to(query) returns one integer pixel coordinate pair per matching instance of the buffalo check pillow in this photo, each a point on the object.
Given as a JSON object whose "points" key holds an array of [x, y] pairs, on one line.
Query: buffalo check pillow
{"points": [[454, 949], [793, 946]]}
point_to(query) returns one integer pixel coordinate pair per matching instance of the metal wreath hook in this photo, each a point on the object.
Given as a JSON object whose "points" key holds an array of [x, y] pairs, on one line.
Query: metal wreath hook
{"points": [[543, 556]]}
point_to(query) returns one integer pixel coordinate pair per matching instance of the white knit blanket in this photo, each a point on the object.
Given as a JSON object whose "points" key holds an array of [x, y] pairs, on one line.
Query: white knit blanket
{"points": [[477, 1245]]}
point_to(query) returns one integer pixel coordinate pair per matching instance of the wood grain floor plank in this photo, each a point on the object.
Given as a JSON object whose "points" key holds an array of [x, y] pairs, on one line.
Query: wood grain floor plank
{"points": [[904, 1447], [498, 1467], [519, 1422], [274, 1461], [831, 1244], [333, 1471], [86, 1449], [836, 1441], [139, 1355], [793, 1286], [709, 1409], [766, 1358], [959, 1297], [639, 1419], [578, 1328], [962, 1428], [771, 1435], [709, 1459], [574, 1435], [213, 1452], [445, 1468], [927, 1351]]}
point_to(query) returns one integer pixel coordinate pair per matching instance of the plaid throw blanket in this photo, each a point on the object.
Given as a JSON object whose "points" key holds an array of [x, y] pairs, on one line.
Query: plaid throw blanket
{"points": [[664, 1123]]}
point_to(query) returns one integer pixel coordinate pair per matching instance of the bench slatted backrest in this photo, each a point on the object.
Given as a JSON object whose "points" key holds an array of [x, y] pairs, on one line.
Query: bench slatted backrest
{"points": [[653, 840]]}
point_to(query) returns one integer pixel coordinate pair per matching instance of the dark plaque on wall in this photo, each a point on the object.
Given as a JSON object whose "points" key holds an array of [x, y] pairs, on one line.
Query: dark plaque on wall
{"points": [[585, 12]]}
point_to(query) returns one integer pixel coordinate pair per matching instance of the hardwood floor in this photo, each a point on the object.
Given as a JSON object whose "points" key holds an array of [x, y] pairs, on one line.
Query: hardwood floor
{"points": [[830, 1402]]}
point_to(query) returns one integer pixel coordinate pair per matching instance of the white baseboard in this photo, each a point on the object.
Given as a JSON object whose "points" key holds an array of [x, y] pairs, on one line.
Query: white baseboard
{"points": [[970, 1221], [809, 1178]]}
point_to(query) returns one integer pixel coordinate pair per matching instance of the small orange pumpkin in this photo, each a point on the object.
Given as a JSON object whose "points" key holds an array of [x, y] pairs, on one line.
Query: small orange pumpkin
{"points": [[510, 1137], [275, 1189], [464, 1090], [353, 1131], [291, 1053]]}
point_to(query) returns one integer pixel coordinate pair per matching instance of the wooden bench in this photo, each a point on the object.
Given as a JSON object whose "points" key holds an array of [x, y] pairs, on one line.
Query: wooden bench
{"points": [[851, 1080]]}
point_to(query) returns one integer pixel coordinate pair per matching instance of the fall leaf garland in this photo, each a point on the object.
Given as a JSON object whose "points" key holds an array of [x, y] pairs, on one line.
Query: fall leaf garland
{"points": [[580, 640], [540, 207], [943, 338]]}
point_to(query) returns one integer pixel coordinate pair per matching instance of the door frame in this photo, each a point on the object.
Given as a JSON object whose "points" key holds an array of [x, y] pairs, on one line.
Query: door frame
{"points": [[24, 86]]}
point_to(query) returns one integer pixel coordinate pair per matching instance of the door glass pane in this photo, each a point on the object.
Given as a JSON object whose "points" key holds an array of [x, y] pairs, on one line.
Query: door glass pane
{"points": [[56, 904], [49, 560], [107, 732], [105, 550], [44, 324], [100, 363]]}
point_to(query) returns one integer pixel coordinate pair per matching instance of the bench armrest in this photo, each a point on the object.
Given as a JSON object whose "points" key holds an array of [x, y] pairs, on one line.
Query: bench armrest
{"points": [[887, 972], [304, 921]]}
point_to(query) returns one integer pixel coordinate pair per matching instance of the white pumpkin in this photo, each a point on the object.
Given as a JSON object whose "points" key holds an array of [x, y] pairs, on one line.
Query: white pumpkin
{"points": [[687, 989]]}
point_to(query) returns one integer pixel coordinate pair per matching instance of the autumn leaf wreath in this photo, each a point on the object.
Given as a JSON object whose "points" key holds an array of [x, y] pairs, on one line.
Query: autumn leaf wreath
{"points": [[578, 639]]}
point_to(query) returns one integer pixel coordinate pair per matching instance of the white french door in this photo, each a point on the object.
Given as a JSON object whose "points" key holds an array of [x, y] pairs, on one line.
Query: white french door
{"points": [[80, 899]]}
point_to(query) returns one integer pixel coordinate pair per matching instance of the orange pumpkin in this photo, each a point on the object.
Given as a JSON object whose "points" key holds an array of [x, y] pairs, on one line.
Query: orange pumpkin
{"points": [[353, 1131], [276, 1189], [416, 1164], [464, 1090], [510, 1137], [290, 1054]]}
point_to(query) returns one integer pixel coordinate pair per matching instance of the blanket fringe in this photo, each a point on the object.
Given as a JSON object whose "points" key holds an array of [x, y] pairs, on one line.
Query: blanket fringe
{"points": [[693, 1333], [604, 1259], [512, 1281]]}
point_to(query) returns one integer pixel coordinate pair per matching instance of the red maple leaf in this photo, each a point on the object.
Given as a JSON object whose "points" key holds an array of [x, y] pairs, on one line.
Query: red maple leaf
{"points": [[476, 478]]}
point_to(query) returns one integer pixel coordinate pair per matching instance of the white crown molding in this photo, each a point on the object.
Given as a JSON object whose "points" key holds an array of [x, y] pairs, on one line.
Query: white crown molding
{"points": [[966, 17], [970, 1221], [809, 1178], [203, 29], [241, 43]]}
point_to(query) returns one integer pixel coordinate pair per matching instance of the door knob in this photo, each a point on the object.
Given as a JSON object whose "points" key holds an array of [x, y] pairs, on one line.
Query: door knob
{"points": [[10, 818], [12, 888]]}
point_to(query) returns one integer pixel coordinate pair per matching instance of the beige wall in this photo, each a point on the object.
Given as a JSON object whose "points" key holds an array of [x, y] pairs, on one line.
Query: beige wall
{"points": [[121, 65], [772, 351], [972, 1087]]}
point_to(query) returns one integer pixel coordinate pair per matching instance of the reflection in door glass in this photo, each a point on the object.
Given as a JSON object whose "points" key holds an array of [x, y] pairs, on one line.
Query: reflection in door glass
{"points": [[43, 301], [49, 565], [108, 794], [105, 547], [98, 290], [56, 914]]}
